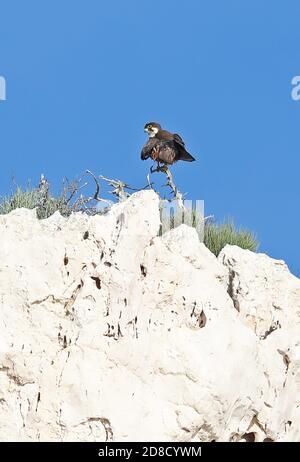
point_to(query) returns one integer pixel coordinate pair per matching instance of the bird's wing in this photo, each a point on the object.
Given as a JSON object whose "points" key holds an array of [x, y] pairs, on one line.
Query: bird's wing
{"points": [[177, 138], [182, 152], [147, 149]]}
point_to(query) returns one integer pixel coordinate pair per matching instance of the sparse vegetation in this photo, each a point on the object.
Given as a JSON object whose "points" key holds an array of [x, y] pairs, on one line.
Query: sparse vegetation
{"points": [[68, 201], [39, 198], [216, 236]]}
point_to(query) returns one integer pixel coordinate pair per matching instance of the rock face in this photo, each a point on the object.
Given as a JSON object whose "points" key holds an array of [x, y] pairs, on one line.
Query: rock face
{"points": [[110, 333]]}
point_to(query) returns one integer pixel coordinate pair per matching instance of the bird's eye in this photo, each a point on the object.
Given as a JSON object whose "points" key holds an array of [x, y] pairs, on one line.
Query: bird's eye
{"points": [[149, 126]]}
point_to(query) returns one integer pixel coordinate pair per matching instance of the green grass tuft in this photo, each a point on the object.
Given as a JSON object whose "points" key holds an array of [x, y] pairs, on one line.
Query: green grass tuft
{"points": [[216, 236], [38, 198]]}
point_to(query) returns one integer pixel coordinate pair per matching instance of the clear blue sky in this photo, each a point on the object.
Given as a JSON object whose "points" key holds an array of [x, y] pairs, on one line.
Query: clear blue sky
{"points": [[83, 77]]}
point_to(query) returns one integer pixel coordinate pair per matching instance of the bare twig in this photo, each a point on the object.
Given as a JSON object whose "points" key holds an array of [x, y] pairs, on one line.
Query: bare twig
{"points": [[96, 195], [177, 194], [82, 202], [150, 184], [139, 189], [119, 187], [165, 169], [75, 201], [73, 189]]}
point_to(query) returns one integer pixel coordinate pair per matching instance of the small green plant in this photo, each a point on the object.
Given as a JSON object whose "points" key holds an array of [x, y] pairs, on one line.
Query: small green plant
{"points": [[39, 198], [71, 199], [216, 236]]}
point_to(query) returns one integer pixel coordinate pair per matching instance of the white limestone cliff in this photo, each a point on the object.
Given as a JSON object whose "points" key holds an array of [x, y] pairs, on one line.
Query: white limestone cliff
{"points": [[111, 333]]}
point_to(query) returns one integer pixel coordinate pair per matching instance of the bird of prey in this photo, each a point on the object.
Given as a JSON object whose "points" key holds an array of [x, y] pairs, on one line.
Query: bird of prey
{"points": [[164, 147]]}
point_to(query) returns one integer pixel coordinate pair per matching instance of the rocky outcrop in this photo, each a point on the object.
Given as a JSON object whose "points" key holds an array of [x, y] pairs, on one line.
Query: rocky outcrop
{"points": [[111, 333]]}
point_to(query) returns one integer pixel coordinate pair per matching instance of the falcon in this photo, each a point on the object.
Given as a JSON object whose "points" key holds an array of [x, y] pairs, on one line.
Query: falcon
{"points": [[164, 147]]}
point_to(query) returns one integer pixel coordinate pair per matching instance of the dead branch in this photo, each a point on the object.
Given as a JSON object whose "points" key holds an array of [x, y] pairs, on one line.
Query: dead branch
{"points": [[82, 203], [119, 188], [96, 195], [77, 201], [73, 188], [165, 169]]}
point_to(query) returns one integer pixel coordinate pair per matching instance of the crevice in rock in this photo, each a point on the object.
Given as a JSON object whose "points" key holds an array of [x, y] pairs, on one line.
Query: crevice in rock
{"points": [[109, 434], [267, 404], [38, 400], [49, 297], [230, 289], [110, 331], [133, 323], [286, 361], [63, 340], [288, 423], [274, 326], [119, 225], [108, 428], [62, 370], [249, 437], [22, 416], [143, 270], [69, 304], [97, 281], [202, 319], [119, 332], [17, 379], [285, 358], [200, 316]]}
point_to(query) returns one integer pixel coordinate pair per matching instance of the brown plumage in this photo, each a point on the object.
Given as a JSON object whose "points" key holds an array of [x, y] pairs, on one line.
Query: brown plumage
{"points": [[164, 147]]}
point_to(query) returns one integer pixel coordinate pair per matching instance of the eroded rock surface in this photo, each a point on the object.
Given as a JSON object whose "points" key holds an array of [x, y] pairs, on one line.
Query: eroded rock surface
{"points": [[111, 333]]}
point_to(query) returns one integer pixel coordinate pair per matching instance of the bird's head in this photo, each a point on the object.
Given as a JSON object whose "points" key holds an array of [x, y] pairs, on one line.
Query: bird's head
{"points": [[152, 128]]}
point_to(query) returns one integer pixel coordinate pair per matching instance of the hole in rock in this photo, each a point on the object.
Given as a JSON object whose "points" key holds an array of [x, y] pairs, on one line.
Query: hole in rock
{"points": [[202, 319], [86, 235], [66, 260], [97, 281], [143, 270], [268, 440], [249, 437]]}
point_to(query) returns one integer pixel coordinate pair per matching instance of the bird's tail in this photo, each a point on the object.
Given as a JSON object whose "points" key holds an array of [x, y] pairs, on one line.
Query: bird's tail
{"points": [[184, 155]]}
